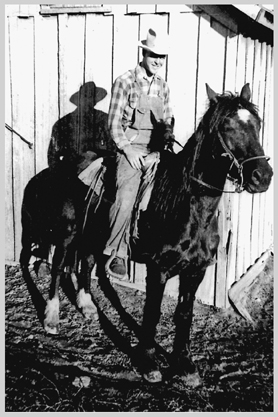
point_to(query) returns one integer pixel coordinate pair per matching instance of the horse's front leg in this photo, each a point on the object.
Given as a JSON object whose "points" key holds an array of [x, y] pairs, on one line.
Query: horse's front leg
{"points": [[85, 255], [51, 320], [84, 297], [181, 363], [146, 359]]}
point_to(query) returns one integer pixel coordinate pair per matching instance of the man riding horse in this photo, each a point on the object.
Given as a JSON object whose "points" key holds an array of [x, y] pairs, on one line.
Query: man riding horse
{"points": [[140, 99]]}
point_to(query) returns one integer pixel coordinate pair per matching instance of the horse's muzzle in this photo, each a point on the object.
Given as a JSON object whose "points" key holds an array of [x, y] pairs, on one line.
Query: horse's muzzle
{"points": [[260, 180]]}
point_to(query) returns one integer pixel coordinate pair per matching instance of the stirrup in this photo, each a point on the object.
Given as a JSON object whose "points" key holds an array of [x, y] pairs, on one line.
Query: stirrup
{"points": [[114, 274]]}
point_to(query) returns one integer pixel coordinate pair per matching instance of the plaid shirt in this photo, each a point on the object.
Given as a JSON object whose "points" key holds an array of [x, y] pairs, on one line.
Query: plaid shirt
{"points": [[125, 97]]}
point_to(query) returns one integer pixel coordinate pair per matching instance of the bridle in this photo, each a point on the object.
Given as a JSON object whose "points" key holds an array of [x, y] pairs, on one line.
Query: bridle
{"points": [[238, 182]]}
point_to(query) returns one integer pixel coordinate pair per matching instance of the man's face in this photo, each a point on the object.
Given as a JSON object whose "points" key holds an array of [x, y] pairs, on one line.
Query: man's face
{"points": [[152, 62]]}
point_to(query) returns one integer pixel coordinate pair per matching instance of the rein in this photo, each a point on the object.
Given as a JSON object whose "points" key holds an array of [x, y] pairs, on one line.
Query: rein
{"points": [[90, 193], [238, 183]]}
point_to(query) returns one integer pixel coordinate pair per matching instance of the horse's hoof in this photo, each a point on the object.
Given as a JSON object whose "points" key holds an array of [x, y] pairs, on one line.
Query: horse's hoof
{"points": [[192, 380], [153, 377], [43, 270], [90, 313], [51, 321], [86, 305], [119, 278], [51, 329]]}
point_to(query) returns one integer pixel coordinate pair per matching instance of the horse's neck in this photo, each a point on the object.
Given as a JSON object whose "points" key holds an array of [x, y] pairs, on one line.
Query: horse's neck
{"points": [[211, 170], [209, 166]]}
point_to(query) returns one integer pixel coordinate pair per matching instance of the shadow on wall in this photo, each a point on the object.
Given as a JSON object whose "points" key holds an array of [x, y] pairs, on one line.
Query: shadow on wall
{"points": [[81, 136]]}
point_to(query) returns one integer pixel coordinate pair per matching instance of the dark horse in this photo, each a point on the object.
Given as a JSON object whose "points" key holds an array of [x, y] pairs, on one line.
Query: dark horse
{"points": [[178, 231]]}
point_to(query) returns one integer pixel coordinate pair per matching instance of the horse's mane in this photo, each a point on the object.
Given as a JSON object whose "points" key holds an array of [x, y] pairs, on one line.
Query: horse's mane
{"points": [[172, 185]]}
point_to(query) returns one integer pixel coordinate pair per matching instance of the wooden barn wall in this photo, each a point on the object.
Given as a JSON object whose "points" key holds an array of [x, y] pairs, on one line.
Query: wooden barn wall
{"points": [[48, 58]]}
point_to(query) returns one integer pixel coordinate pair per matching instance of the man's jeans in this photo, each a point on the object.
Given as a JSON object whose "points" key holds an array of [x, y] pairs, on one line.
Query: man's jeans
{"points": [[127, 182]]}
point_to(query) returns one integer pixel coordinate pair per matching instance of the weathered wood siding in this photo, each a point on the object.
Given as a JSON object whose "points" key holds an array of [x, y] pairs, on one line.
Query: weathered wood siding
{"points": [[48, 58]]}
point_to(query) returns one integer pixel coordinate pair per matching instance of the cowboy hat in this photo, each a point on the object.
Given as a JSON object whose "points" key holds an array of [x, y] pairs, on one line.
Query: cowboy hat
{"points": [[156, 43], [88, 91]]}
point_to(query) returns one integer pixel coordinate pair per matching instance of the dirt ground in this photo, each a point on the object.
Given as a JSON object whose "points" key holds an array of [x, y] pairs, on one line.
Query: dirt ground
{"points": [[86, 367]]}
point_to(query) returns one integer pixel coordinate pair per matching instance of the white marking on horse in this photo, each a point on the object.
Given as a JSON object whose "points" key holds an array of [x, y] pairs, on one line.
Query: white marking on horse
{"points": [[244, 115]]}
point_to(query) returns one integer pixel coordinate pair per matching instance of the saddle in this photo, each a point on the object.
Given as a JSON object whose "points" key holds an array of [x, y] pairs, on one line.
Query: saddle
{"points": [[97, 176]]}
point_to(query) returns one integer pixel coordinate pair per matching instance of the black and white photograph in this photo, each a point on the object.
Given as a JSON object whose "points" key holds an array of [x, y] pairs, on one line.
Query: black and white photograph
{"points": [[139, 208]]}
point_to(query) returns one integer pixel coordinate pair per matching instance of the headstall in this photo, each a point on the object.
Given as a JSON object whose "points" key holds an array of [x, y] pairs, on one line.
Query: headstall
{"points": [[239, 165]]}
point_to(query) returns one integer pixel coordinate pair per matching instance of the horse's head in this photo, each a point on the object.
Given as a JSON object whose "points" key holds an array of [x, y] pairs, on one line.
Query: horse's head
{"points": [[237, 126]]}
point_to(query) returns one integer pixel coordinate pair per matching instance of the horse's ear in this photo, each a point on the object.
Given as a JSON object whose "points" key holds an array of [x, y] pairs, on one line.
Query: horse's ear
{"points": [[246, 92], [173, 122], [211, 94]]}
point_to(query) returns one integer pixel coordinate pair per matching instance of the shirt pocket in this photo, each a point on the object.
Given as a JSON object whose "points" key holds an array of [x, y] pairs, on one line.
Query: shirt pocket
{"points": [[133, 101]]}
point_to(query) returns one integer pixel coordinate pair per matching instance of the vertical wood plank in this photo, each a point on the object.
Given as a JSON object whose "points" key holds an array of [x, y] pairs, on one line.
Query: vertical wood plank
{"points": [[22, 70], [268, 107], [221, 272], [211, 62], [268, 146], [231, 246], [230, 59], [250, 46], [98, 65], [242, 212], [125, 48], [9, 209], [140, 273], [240, 63], [46, 88], [206, 290], [244, 233], [243, 227], [210, 71], [262, 84], [182, 70], [228, 206], [257, 74], [246, 199], [71, 59], [262, 196], [255, 244], [255, 250], [230, 201]]}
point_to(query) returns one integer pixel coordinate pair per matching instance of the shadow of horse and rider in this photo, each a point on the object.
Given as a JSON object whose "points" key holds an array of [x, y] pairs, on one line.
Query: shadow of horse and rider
{"points": [[77, 139]]}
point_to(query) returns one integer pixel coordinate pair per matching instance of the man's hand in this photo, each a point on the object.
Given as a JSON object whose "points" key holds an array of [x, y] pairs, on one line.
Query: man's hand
{"points": [[134, 156], [150, 160]]}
